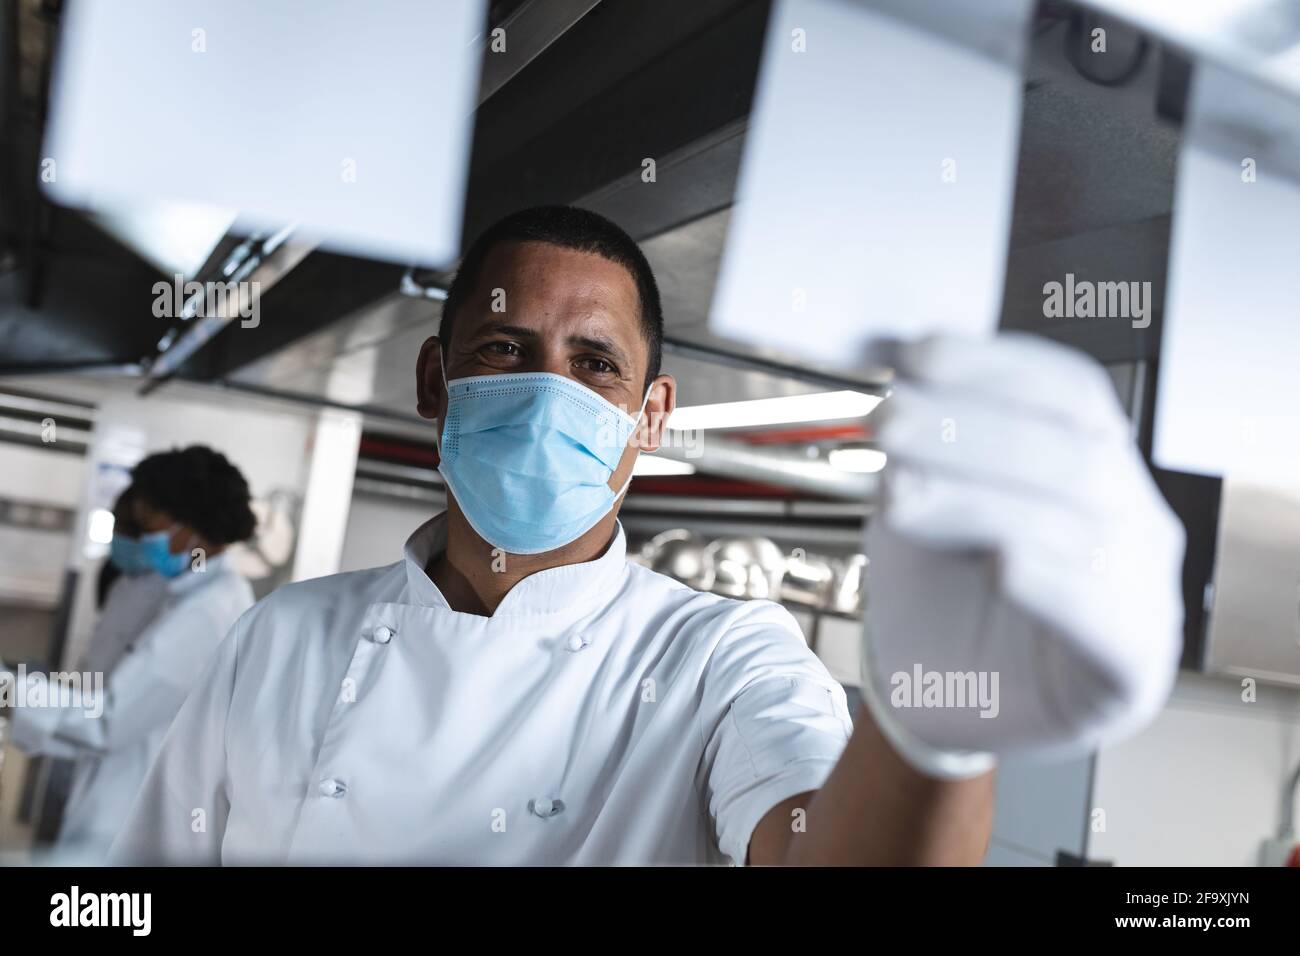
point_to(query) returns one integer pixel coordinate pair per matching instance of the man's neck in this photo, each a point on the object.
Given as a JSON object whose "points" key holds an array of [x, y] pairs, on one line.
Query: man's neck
{"points": [[474, 577]]}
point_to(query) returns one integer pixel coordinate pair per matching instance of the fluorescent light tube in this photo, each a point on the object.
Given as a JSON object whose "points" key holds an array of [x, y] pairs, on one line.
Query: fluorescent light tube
{"points": [[814, 407]]}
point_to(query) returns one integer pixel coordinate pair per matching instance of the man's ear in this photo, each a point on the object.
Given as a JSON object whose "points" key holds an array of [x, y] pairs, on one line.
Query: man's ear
{"points": [[430, 396], [660, 404]]}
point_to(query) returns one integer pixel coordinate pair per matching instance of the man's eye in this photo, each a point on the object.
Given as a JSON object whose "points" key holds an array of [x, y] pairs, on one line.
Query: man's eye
{"points": [[502, 348], [599, 366]]}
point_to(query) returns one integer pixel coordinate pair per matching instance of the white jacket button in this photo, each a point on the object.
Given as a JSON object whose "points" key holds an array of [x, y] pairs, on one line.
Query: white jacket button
{"points": [[330, 787], [576, 643], [545, 807], [383, 634]]}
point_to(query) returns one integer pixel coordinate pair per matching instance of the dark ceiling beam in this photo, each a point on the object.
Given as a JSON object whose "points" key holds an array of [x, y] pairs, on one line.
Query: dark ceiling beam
{"points": [[693, 92], [527, 31], [1128, 252], [323, 288], [96, 308]]}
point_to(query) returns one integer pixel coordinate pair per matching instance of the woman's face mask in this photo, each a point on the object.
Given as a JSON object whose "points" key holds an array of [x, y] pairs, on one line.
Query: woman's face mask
{"points": [[155, 551], [529, 456], [125, 552]]}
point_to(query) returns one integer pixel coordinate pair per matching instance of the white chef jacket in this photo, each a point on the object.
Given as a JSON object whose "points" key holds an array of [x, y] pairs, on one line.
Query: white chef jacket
{"points": [[141, 697], [604, 714], [133, 601]]}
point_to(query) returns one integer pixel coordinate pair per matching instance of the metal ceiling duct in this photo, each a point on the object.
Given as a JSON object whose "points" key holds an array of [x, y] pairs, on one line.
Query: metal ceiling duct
{"points": [[256, 265]]}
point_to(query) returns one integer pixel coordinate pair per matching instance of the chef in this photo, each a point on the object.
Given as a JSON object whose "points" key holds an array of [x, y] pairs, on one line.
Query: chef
{"points": [[133, 593], [186, 507], [514, 691]]}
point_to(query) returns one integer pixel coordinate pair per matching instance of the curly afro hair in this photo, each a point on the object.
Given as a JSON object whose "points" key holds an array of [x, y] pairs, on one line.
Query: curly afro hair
{"points": [[198, 487]]}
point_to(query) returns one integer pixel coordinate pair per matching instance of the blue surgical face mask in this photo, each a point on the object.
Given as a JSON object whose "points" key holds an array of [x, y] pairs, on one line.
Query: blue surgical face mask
{"points": [[128, 556], [528, 457], [156, 550]]}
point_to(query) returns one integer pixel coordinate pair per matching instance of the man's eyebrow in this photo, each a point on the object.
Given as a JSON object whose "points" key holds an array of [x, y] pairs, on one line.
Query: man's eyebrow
{"points": [[500, 328], [604, 346]]}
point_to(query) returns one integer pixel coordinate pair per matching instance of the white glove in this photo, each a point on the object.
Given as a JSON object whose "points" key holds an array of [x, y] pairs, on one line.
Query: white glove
{"points": [[1020, 535]]}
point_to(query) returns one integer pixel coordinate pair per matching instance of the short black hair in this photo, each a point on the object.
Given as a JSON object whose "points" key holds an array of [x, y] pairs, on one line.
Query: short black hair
{"points": [[198, 487], [569, 228]]}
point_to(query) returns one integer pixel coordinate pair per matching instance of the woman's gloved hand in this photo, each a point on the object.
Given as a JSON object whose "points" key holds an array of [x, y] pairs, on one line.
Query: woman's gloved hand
{"points": [[1021, 542]]}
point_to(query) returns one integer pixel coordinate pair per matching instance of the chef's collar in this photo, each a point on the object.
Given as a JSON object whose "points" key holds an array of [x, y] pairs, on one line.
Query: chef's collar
{"points": [[189, 579], [570, 589]]}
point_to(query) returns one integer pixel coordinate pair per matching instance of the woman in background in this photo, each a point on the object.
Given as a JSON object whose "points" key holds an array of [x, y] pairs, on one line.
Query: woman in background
{"points": [[183, 510], [129, 593]]}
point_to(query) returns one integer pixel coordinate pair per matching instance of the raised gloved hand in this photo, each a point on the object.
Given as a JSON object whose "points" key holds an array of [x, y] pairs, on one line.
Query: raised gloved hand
{"points": [[1024, 588]]}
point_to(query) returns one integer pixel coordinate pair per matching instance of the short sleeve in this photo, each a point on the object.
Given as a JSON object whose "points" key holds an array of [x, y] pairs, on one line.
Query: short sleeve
{"points": [[774, 722]]}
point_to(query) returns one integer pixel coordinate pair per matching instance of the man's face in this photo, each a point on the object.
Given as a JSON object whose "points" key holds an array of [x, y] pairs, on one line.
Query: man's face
{"points": [[542, 308], [557, 310]]}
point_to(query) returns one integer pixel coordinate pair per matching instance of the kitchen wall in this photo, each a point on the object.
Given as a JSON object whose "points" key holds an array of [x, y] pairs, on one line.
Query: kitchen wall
{"points": [[269, 442], [378, 527], [1201, 786], [33, 556]]}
